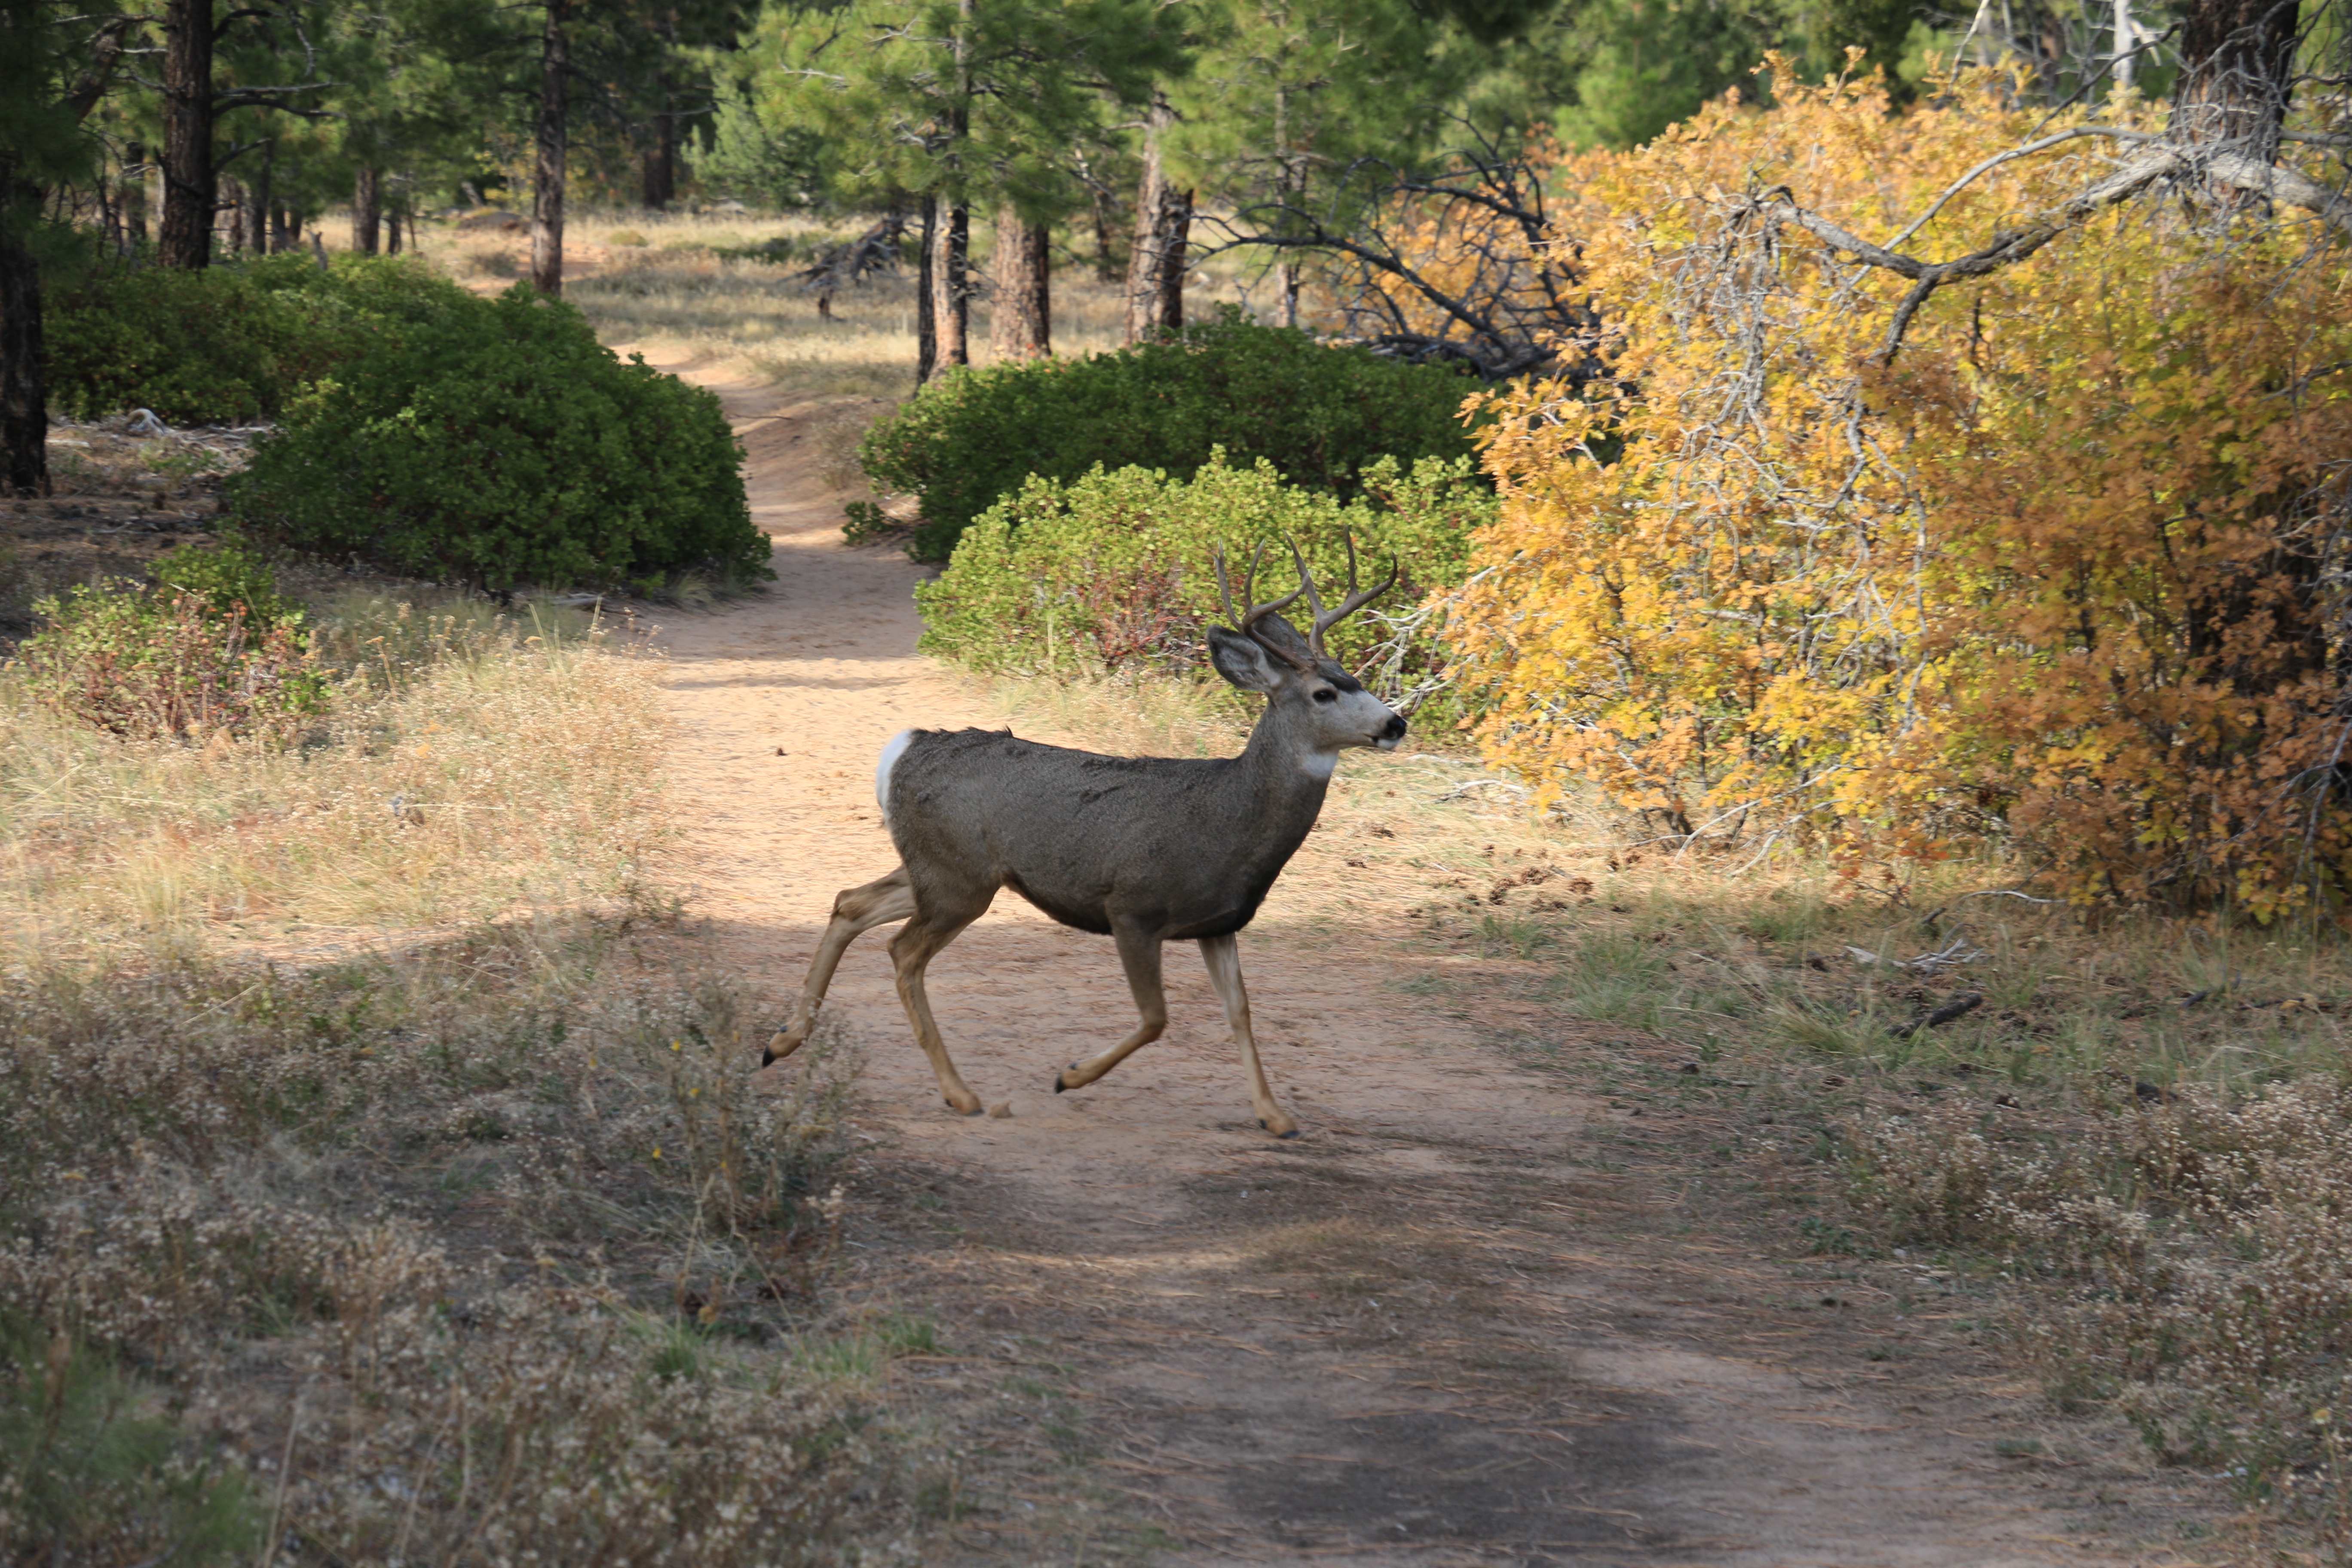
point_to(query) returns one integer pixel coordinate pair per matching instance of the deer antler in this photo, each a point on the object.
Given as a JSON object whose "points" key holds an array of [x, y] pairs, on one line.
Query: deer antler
{"points": [[1247, 623], [1355, 599]]}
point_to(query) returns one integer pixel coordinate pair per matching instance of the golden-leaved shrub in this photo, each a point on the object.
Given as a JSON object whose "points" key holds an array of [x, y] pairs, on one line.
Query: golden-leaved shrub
{"points": [[2061, 572]]}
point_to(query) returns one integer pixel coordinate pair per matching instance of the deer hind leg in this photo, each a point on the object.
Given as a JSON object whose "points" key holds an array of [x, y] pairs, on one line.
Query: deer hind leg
{"points": [[1139, 954], [855, 911], [1222, 954], [911, 951]]}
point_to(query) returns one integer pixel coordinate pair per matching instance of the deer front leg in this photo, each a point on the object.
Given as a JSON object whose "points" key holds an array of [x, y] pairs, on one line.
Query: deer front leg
{"points": [[855, 911], [1223, 956], [1139, 954], [911, 952]]}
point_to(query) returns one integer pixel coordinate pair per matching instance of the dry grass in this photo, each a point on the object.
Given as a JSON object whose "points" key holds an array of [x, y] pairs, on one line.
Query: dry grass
{"points": [[380, 1176], [473, 764], [696, 281], [492, 1240]]}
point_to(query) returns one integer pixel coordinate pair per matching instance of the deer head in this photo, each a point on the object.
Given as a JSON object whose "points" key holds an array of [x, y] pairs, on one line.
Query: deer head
{"points": [[1314, 708]]}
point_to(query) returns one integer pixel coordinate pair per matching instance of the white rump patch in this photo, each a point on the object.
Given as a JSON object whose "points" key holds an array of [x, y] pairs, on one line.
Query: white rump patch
{"points": [[890, 756]]}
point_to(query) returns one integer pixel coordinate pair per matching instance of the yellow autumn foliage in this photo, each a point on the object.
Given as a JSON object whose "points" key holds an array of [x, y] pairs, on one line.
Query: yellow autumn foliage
{"points": [[2063, 577]]}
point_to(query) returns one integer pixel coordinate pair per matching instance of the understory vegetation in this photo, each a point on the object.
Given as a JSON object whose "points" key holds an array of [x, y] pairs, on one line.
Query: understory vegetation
{"points": [[1898, 598], [420, 428], [229, 344], [446, 762], [1117, 570], [501, 443], [1318, 414], [378, 1179]]}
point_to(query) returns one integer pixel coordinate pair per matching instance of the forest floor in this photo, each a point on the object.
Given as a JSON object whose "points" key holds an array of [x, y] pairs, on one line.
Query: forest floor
{"points": [[1494, 1306]]}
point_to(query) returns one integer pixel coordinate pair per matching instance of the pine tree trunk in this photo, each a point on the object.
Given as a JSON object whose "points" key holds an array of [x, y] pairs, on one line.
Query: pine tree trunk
{"points": [[926, 323], [1285, 270], [134, 191], [952, 282], [257, 200], [1176, 232], [110, 216], [952, 288], [367, 211], [555, 148], [660, 184], [23, 398], [1024, 325], [1143, 258], [189, 182], [1106, 268], [392, 233], [2237, 67]]}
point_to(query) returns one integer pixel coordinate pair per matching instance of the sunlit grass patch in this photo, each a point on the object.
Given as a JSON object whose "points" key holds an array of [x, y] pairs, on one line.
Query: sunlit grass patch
{"points": [[470, 763]]}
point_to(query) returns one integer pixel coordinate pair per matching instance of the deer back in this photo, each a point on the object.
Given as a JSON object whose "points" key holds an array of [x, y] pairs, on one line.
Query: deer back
{"points": [[1182, 845]]}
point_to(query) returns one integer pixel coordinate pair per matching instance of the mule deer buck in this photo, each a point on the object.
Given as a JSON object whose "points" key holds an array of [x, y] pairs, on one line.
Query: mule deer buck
{"points": [[1143, 850]]}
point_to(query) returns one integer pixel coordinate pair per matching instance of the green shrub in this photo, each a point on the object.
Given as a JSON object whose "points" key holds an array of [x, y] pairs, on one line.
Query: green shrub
{"points": [[89, 1473], [1115, 570], [1318, 414], [232, 343], [209, 646], [500, 444]]}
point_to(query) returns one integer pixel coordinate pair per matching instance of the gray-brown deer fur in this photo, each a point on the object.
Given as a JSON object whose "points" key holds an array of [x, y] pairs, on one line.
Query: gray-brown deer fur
{"points": [[1143, 850]]}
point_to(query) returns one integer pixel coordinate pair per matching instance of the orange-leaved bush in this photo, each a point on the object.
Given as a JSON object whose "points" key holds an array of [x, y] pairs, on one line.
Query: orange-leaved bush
{"points": [[2061, 574]]}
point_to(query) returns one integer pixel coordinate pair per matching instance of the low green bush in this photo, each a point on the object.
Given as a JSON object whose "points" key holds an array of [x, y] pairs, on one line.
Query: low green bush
{"points": [[1115, 570], [209, 646], [1317, 413], [499, 444], [232, 343]]}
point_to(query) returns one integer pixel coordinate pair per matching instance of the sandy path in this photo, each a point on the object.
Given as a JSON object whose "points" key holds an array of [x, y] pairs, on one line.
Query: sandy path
{"points": [[1431, 1330]]}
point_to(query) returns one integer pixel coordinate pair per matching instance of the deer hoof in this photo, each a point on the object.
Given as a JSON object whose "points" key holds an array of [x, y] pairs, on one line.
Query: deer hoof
{"points": [[977, 1109], [1059, 1087], [1292, 1133]]}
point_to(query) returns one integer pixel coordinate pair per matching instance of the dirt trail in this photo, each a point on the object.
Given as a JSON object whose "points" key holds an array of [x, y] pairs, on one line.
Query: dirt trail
{"points": [[1436, 1329]]}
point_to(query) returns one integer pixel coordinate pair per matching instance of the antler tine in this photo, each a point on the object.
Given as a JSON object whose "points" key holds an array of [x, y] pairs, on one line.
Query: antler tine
{"points": [[1246, 623], [1355, 600], [1306, 586]]}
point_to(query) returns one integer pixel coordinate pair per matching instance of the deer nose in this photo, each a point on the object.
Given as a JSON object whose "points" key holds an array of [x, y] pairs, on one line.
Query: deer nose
{"points": [[1395, 730]]}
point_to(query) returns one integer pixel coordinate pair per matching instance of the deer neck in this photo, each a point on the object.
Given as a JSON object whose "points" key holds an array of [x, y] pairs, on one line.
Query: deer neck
{"points": [[1285, 779]]}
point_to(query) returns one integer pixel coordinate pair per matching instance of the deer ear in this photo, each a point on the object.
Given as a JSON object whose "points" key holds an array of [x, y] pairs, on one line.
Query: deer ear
{"points": [[1241, 661]]}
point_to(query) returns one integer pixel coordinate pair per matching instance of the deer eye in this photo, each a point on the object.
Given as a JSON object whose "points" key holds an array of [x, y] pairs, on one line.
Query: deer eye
{"points": [[1324, 694]]}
